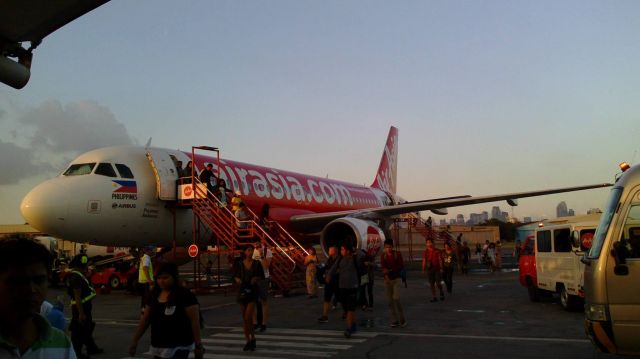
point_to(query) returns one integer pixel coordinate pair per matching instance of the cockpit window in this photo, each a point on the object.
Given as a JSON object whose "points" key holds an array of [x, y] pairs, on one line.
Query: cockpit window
{"points": [[125, 172], [105, 169], [79, 169]]}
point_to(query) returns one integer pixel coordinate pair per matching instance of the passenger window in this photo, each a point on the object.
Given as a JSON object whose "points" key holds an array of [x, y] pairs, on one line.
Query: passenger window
{"points": [[562, 240], [631, 232], [544, 241], [125, 172], [79, 169], [105, 169]]}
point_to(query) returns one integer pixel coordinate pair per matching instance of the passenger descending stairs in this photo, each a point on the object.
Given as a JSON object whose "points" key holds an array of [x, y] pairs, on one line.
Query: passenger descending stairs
{"points": [[287, 263]]}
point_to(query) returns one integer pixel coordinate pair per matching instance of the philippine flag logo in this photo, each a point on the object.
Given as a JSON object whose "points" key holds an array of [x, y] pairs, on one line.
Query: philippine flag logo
{"points": [[125, 186]]}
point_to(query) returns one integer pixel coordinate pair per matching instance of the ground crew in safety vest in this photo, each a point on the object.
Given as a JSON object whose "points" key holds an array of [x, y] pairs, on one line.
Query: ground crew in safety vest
{"points": [[82, 325], [145, 275]]}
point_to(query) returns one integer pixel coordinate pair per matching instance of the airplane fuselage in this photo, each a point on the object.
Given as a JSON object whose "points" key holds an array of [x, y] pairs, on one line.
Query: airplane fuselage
{"points": [[111, 209]]}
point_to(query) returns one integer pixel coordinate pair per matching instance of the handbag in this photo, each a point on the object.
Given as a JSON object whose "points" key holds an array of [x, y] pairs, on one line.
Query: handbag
{"points": [[364, 279]]}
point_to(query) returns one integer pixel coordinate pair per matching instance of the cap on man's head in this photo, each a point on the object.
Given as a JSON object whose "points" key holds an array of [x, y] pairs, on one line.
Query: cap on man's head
{"points": [[209, 165], [388, 242]]}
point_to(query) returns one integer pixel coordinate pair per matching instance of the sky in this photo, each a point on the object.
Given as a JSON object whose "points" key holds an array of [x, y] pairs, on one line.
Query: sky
{"points": [[489, 97]]}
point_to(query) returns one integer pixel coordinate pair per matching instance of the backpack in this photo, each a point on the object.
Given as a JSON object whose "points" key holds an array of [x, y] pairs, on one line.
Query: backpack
{"points": [[320, 272]]}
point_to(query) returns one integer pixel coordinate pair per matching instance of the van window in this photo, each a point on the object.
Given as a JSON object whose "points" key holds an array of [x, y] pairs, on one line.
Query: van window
{"points": [[605, 222], [79, 169], [105, 169], [125, 172], [562, 240], [544, 241], [631, 232]]}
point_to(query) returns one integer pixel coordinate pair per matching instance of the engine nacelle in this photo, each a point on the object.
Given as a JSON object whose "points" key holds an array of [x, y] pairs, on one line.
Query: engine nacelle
{"points": [[365, 235]]}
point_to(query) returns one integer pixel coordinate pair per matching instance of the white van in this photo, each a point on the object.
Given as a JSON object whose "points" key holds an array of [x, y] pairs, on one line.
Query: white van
{"points": [[559, 247], [612, 271]]}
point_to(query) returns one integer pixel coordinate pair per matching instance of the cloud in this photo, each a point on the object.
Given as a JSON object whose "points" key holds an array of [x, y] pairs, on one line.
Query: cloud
{"points": [[76, 127], [18, 163], [43, 139]]}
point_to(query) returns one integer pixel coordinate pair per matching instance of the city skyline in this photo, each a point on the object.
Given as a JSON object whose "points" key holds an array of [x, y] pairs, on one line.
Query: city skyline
{"points": [[495, 211]]}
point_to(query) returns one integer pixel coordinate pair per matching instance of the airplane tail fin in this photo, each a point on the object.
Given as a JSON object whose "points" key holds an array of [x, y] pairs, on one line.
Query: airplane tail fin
{"points": [[388, 169]]}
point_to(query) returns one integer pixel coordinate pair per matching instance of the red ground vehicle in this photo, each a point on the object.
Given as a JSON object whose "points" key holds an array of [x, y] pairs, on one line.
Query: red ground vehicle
{"points": [[112, 273]]}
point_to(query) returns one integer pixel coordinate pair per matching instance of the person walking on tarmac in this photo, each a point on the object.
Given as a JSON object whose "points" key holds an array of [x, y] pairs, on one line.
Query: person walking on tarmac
{"points": [[392, 267], [348, 281], [432, 265], [173, 314], [145, 275], [82, 325]]}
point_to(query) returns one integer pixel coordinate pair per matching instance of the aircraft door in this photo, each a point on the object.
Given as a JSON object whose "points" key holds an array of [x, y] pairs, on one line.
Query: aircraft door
{"points": [[166, 173], [622, 286]]}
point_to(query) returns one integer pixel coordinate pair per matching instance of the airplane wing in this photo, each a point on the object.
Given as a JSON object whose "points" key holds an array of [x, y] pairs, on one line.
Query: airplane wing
{"points": [[315, 222], [32, 20]]}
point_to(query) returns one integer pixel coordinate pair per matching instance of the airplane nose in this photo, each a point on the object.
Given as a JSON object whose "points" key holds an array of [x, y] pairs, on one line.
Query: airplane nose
{"points": [[45, 207]]}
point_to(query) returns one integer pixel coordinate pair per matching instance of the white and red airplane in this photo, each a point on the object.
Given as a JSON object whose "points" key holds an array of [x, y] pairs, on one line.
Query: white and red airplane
{"points": [[122, 195]]}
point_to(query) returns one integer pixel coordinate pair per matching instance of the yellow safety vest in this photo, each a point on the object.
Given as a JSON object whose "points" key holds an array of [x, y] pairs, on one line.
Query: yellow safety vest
{"points": [[92, 291], [141, 277]]}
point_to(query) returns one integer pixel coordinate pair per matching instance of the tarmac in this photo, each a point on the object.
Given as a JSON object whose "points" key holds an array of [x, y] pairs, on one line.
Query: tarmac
{"points": [[488, 315]]}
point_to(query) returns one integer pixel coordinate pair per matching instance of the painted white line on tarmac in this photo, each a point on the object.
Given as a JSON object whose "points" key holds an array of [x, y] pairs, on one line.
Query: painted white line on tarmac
{"points": [[469, 311], [204, 309], [297, 353], [290, 337], [279, 344], [338, 333], [486, 337]]}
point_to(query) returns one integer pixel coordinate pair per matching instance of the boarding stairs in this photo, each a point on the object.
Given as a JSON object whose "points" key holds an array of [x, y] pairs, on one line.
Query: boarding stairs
{"points": [[414, 224], [288, 254]]}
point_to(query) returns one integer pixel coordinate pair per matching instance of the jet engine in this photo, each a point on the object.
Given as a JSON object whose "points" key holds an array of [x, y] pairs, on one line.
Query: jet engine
{"points": [[363, 234]]}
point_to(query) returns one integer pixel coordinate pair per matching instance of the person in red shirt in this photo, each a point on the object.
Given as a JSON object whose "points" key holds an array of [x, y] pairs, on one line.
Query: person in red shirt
{"points": [[392, 267], [432, 265]]}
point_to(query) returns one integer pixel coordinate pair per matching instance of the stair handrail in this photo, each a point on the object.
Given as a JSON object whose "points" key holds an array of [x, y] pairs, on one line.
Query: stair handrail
{"points": [[264, 233], [253, 224], [280, 230]]}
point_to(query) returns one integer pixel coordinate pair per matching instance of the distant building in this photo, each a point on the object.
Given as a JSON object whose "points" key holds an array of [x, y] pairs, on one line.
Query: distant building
{"points": [[526, 219], [443, 222], [460, 219], [561, 210], [452, 221], [496, 212], [594, 211], [571, 213], [504, 217]]}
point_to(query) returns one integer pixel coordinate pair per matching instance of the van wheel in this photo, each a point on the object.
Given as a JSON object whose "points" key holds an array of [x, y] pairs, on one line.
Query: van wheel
{"points": [[567, 301], [114, 282], [534, 292]]}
